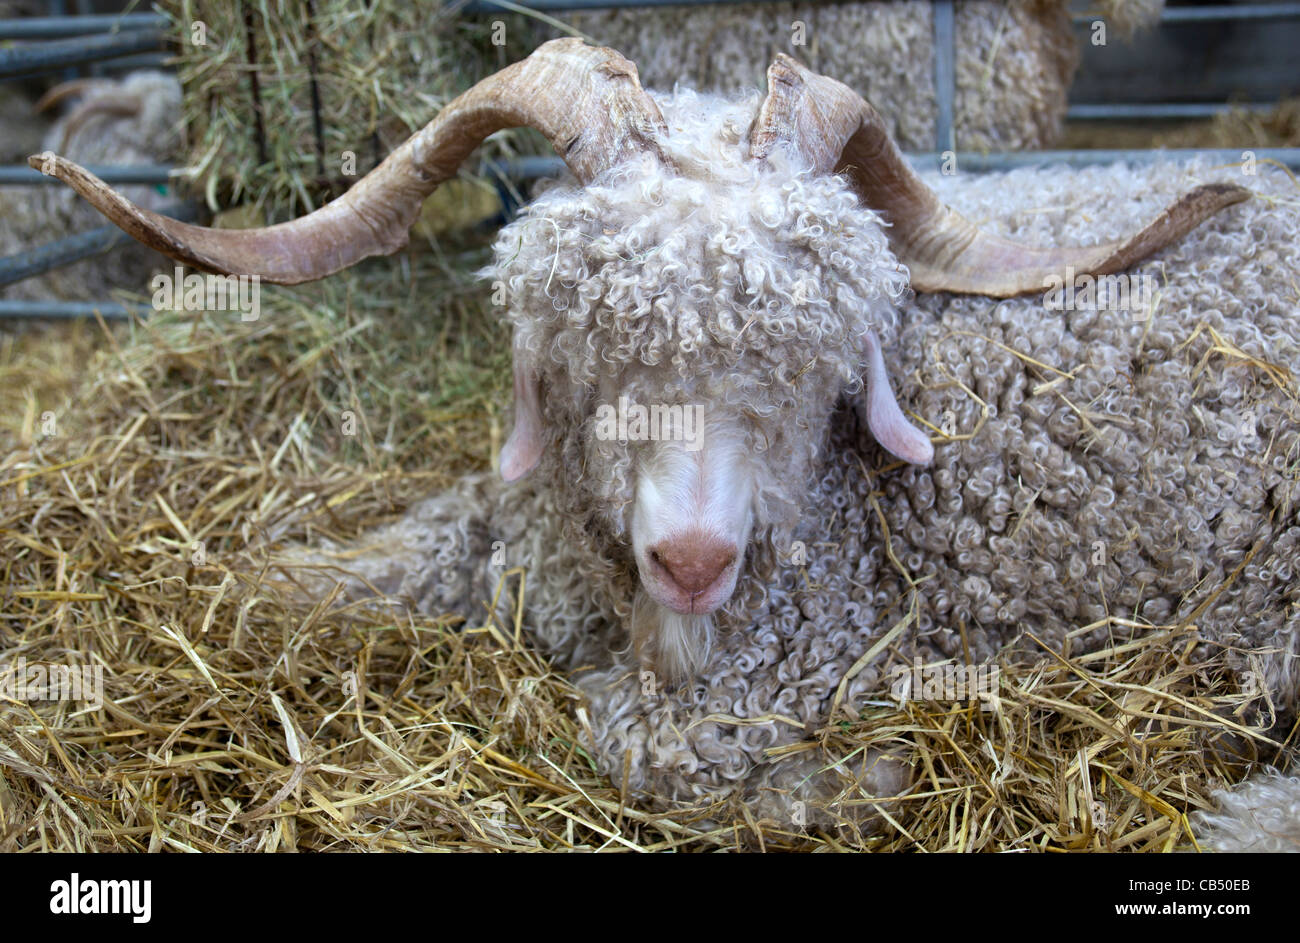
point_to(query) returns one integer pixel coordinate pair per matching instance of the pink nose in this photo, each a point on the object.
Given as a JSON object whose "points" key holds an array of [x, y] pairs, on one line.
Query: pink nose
{"points": [[694, 560]]}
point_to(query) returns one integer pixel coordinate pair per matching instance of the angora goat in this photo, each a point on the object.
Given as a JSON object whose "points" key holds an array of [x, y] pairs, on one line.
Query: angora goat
{"points": [[717, 579]]}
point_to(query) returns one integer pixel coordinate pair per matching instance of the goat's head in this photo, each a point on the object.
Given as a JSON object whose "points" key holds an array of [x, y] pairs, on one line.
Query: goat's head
{"points": [[686, 317], [681, 335]]}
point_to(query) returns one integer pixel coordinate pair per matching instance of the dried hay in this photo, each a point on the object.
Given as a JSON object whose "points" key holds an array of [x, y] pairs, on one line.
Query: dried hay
{"points": [[282, 94], [1236, 128], [134, 538]]}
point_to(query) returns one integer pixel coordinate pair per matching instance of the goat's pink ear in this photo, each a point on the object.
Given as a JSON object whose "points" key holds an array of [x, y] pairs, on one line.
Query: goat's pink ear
{"points": [[523, 449], [885, 419]]}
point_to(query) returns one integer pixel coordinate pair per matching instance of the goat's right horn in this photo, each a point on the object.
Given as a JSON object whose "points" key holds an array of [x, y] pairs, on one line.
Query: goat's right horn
{"points": [[587, 100], [836, 130]]}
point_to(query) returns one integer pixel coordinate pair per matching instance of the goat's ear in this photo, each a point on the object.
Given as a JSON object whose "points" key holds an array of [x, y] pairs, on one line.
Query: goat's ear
{"points": [[523, 449], [885, 419]]}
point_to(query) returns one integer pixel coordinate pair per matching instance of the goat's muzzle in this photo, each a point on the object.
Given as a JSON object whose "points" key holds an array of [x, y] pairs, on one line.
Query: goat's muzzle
{"points": [[692, 573]]}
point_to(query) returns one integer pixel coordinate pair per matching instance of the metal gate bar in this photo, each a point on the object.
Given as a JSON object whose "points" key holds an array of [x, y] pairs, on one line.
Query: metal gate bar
{"points": [[108, 310], [47, 57], [59, 27], [20, 175], [83, 245], [1139, 111]]}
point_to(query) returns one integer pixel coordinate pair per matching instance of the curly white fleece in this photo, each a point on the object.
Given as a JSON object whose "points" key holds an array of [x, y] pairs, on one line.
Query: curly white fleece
{"points": [[1261, 815]]}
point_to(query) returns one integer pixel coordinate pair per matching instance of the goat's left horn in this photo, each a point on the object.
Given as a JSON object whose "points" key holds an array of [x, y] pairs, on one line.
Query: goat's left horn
{"points": [[587, 100], [836, 130]]}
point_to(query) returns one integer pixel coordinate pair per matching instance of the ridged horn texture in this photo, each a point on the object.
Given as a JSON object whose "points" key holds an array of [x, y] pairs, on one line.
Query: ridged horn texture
{"points": [[587, 100], [838, 132]]}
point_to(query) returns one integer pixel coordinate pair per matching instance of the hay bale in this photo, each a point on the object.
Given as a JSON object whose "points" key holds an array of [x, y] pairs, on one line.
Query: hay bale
{"points": [[289, 104]]}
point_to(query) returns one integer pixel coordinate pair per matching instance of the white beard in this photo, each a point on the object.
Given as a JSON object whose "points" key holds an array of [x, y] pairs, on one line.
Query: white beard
{"points": [[676, 645]]}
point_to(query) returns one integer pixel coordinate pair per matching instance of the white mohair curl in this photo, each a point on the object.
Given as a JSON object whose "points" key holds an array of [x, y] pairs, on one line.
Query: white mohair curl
{"points": [[1261, 815]]}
